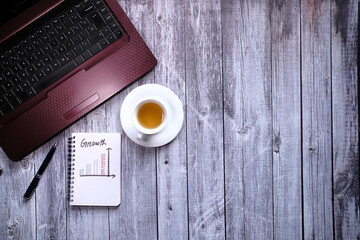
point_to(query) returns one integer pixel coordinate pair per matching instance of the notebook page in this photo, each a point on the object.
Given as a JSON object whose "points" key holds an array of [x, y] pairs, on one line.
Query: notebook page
{"points": [[97, 170]]}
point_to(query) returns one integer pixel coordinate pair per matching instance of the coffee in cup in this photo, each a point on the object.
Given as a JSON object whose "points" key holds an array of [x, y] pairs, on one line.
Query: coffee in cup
{"points": [[149, 117]]}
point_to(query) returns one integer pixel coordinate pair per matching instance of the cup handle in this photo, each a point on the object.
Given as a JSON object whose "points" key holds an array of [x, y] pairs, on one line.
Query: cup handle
{"points": [[139, 136]]}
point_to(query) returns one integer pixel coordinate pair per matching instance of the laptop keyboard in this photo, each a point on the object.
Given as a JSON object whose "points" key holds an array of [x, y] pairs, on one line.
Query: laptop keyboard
{"points": [[53, 49]]}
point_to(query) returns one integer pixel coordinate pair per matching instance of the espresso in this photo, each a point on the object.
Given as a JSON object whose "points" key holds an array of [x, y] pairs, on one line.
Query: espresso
{"points": [[150, 115]]}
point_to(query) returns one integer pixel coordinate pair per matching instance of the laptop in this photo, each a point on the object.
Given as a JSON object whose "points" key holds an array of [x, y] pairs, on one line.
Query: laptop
{"points": [[60, 59]]}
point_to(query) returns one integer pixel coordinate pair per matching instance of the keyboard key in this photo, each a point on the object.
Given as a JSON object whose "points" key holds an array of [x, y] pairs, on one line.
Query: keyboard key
{"points": [[111, 38], [113, 25], [92, 29], [8, 85], [119, 33], [11, 98], [97, 20], [23, 75], [54, 43], [31, 69], [67, 23], [95, 49], [2, 78], [6, 108], [103, 43], [16, 68], [71, 54], [63, 59], [106, 30], [30, 91], [62, 38], [76, 39], [74, 16], [86, 55], [103, 10], [84, 34], [8, 73], [45, 38], [69, 32], [39, 53], [2, 100], [16, 80], [23, 63], [25, 85], [69, 44], [76, 28], [54, 54], [47, 70], [85, 44], [46, 59], [61, 49], [16, 90], [108, 17], [79, 60], [77, 49], [59, 27], [40, 74], [89, 8], [96, 37], [23, 96], [55, 64], [98, 2], [33, 79], [84, 23]]}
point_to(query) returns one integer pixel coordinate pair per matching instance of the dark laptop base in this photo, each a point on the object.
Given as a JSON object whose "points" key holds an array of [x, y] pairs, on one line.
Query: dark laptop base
{"points": [[84, 89]]}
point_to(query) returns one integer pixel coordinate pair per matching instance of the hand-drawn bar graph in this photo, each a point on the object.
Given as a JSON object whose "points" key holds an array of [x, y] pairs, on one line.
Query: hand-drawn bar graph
{"points": [[91, 170]]}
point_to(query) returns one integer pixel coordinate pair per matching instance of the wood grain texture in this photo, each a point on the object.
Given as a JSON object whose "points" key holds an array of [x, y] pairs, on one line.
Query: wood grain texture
{"points": [[204, 119], [345, 115], [52, 191], [171, 159], [286, 115], [17, 216], [269, 148], [248, 119], [316, 119]]}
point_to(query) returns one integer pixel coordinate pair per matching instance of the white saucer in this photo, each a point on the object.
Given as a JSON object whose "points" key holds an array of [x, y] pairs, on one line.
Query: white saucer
{"points": [[175, 114]]}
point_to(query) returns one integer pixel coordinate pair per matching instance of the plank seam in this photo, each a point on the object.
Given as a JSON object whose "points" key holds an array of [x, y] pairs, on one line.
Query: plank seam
{"points": [[301, 130], [332, 127]]}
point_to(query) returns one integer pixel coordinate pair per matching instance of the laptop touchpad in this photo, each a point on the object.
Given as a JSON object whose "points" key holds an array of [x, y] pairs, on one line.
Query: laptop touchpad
{"points": [[81, 106]]}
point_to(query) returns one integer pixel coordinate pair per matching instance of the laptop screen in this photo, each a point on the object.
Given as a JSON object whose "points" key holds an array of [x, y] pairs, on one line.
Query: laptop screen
{"points": [[11, 9]]}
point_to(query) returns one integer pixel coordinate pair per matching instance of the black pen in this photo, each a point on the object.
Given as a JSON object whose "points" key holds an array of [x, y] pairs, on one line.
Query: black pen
{"points": [[41, 170]]}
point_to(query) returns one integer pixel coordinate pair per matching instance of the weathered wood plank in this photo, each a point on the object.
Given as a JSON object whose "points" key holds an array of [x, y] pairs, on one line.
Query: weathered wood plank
{"points": [[88, 222], [345, 115], [248, 119], [17, 216], [51, 192], [316, 113], [285, 41], [171, 159], [204, 119], [136, 218]]}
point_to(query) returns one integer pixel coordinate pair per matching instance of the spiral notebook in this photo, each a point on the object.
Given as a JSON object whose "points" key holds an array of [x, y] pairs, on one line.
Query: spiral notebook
{"points": [[95, 169]]}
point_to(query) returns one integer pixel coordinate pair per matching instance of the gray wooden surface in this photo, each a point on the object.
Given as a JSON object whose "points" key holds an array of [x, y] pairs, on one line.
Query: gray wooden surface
{"points": [[269, 148]]}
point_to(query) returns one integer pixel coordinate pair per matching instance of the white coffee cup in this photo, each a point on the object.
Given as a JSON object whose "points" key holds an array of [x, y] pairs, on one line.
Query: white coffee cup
{"points": [[149, 117]]}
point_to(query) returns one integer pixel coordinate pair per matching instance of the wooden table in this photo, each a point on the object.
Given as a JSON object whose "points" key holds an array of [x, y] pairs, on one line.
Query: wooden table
{"points": [[270, 144]]}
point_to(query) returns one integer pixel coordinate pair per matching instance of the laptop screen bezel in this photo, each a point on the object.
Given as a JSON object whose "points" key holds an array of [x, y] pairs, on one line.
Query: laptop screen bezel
{"points": [[26, 17]]}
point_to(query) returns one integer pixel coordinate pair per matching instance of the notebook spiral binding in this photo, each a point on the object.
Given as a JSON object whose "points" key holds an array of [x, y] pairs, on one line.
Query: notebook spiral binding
{"points": [[71, 168]]}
